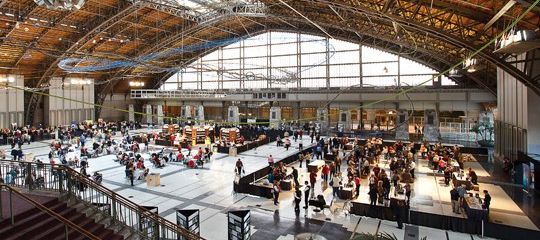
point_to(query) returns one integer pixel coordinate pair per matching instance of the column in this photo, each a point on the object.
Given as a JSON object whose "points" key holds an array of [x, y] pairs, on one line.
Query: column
{"points": [[199, 113], [344, 121], [148, 114], [159, 109], [186, 112], [275, 116], [233, 114], [131, 114], [431, 126], [370, 119], [402, 125], [322, 118]]}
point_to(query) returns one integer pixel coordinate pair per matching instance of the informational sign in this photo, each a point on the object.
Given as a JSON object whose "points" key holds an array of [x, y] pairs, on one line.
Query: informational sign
{"points": [[526, 174], [411, 232]]}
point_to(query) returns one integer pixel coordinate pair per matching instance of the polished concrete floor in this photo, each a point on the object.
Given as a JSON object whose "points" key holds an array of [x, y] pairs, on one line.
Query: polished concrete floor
{"points": [[210, 190]]}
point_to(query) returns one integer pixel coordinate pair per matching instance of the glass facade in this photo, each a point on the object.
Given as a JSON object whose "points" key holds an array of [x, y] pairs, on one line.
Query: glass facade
{"points": [[295, 60]]}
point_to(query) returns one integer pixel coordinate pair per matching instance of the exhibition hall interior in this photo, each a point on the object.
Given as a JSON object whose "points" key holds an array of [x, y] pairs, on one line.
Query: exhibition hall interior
{"points": [[269, 119]]}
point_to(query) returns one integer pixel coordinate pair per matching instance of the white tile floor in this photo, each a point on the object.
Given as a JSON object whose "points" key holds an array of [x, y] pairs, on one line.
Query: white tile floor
{"points": [[210, 190]]}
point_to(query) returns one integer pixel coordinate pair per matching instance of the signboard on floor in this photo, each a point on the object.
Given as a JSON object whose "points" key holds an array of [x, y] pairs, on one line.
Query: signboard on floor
{"points": [[411, 232]]}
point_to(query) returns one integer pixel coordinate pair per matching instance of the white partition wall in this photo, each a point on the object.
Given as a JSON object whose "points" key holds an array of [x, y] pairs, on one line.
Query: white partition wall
{"points": [[11, 101], [71, 100]]}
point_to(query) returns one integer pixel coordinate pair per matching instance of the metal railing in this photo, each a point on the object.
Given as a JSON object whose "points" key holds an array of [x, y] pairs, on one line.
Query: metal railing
{"points": [[67, 223], [72, 184]]}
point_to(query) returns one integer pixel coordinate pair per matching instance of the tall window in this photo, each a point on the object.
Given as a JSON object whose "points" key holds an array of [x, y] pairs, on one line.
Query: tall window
{"points": [[294, 60]]}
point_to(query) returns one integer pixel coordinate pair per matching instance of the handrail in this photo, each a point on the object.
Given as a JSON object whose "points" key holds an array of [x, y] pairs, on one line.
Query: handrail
{"points": [[48, 211], [64, 179], [146, 212]]}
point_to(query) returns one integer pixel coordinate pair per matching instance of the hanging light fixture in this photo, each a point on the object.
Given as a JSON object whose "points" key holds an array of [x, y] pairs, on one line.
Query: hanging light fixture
{"points": [[68, 5]]}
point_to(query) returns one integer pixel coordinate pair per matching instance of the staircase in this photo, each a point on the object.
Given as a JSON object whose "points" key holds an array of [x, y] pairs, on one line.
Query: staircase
{"points": [[37, 224]]}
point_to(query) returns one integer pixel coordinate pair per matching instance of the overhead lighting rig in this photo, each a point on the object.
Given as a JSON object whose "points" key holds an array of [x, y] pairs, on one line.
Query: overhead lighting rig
{"points": [[64, 5]]}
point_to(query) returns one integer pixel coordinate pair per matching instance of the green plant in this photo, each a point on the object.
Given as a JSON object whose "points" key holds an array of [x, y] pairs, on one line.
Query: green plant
{"points": [[378, 236], [485, 130]]}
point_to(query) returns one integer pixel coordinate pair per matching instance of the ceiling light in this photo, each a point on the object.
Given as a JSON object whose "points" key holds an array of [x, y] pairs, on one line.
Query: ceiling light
{"points": [[100, 38], [122, 41], [94, 41], [26, 29], [59, 39]]}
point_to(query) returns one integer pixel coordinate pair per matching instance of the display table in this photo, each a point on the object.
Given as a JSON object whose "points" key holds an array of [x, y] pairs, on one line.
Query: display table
{"points": [[153, 180], [474, 209], [315, 165], [346, 193], [286, 185], [458, 181]]}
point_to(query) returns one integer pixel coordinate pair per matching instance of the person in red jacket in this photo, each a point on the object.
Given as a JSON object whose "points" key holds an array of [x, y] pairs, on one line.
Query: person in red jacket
{"points": [[325, 172], [312, 179]]}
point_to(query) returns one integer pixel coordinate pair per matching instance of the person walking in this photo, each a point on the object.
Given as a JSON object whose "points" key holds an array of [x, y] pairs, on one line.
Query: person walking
{"points": [[313, 179], [297, 199], [357, 181], [276, 189]]}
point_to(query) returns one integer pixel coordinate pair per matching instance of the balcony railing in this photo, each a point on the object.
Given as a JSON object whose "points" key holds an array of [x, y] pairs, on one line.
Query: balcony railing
{"points": [[72, 184]]}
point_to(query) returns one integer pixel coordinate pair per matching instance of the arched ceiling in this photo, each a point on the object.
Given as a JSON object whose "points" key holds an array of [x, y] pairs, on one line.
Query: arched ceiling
{"points": [[438, 33]]}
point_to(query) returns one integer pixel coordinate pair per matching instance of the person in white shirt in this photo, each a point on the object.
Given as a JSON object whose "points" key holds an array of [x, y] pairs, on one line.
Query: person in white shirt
{"points": [[412, 166], [270, 160]]}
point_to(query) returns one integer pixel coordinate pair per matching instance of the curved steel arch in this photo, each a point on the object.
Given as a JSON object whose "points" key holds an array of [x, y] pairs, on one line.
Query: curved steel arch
{"points": [[443, 36]]}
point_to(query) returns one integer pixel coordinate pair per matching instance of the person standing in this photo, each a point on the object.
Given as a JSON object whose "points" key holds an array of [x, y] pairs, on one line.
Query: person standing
{"points": [[276, 189], [312, 179], [372, 196], [462, 191], [408, 193], [297, 199], [336, 183], [412, 166], [357, 185], [270, 160], [307, 190], [295, 176], [301, 158], [487, 200], [454, 196]]}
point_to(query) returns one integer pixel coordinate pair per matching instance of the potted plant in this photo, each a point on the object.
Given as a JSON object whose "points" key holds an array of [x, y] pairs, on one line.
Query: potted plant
{"points": [[485, 131]]}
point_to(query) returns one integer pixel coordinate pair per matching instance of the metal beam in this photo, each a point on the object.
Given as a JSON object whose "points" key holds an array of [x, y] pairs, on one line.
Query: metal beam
{"points": [[527, 4], [499, 14], [94, 28]]}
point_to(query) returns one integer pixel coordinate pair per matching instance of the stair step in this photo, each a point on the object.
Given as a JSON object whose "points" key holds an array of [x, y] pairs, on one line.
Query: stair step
{"points": [[37, 224], [29, 220]]}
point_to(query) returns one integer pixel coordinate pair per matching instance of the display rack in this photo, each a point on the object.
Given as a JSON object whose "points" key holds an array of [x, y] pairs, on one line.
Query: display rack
{"points": [[229, 134], [239, 225], [197, 134], [189, 219]]}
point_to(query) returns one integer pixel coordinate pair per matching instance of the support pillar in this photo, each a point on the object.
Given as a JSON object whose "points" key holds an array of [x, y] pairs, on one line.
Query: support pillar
{"points": [[233, 114], [199, 113], [159, 109], [431, 126], [402, 125], [275, 117], [148, 114], [370, 119], [186, 112], [322, 119], [344, 121], [131, 114]]}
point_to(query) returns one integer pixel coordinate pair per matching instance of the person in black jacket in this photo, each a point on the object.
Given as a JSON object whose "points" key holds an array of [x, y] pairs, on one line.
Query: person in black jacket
{"points": [[487, 200], [297, 199], [295, 176]]}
